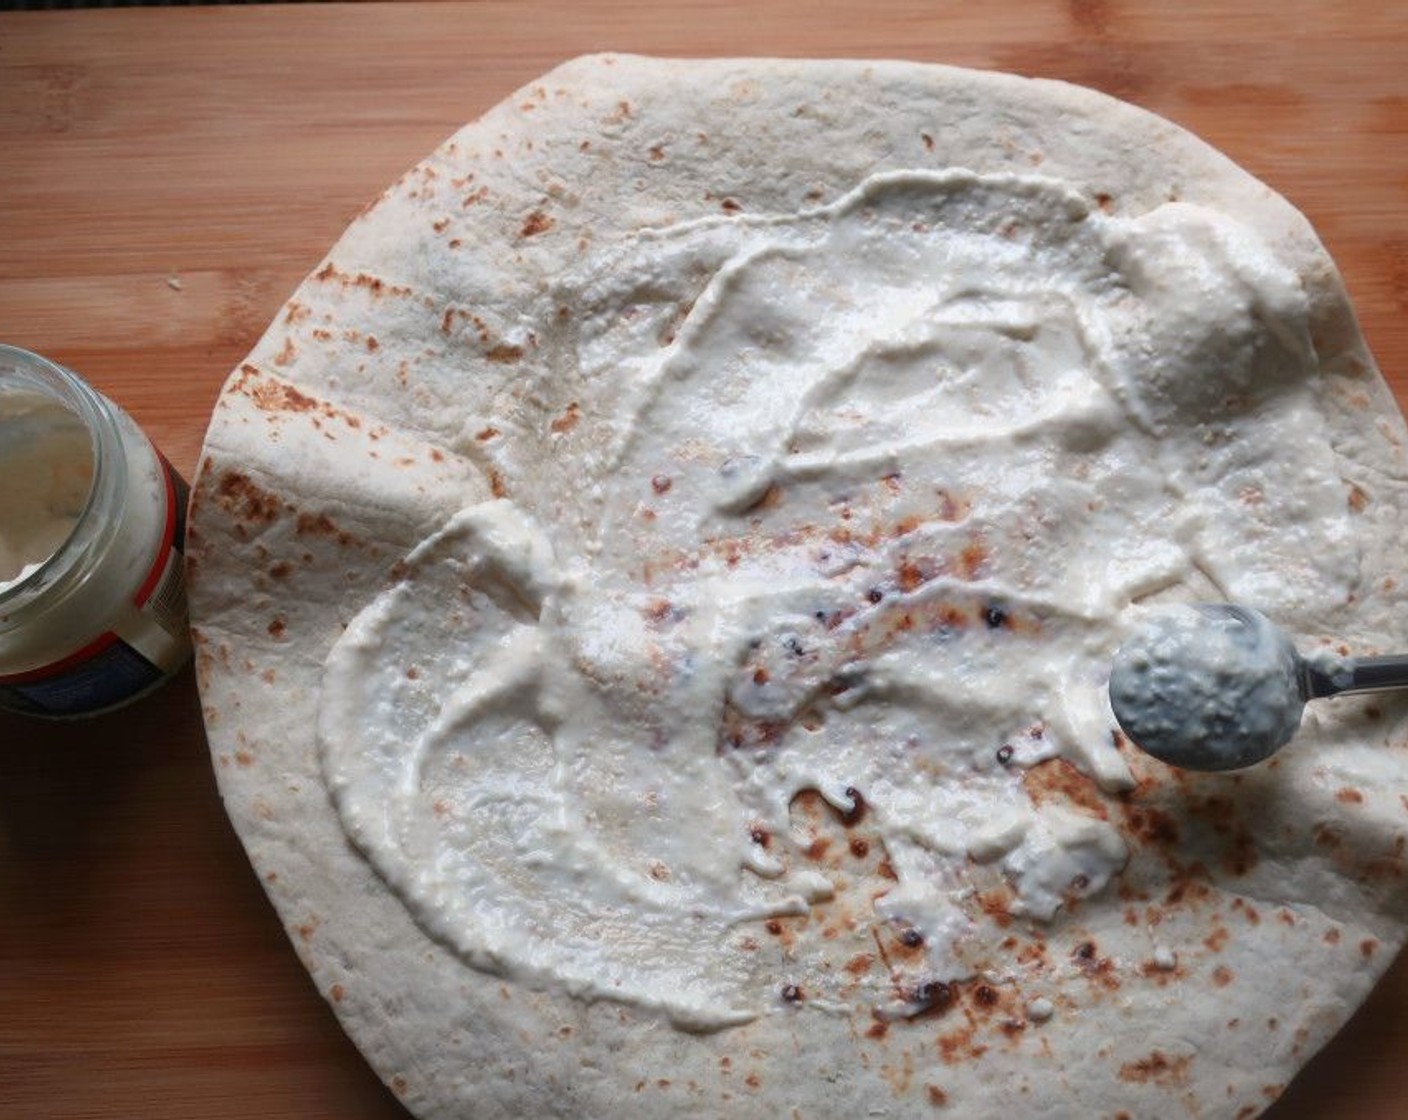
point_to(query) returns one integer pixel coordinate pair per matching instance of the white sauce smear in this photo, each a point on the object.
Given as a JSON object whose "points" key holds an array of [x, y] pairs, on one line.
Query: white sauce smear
{"points": [[858, 502]]}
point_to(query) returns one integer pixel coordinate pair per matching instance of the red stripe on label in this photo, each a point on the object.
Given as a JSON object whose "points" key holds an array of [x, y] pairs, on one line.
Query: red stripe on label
{"points": [[168, 535], [96, 646]]}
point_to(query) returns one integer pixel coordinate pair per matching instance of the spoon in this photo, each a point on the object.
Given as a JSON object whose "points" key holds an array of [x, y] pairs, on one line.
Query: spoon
{"points": [[1218, 686]]}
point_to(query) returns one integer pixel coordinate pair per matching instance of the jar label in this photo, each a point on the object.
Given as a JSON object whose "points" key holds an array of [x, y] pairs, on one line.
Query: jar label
{"points": [[149, 641]]}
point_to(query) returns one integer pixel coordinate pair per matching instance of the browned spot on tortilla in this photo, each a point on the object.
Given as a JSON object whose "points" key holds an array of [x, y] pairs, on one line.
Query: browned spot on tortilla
{"points": [[927, 141], [997, 904], [504, 353], [752, 1081], [1332, 937], [279, 396], [373, 284], [859, 964], [239, 495], [1382, 867], [568, 420], [1326, 835], [336, 993], [1222, 976], [972, 560], [537, 222], [1158, 1068], [655, 154], [267, 676], [316, 524], [1367, 947], [730, 205], [1357, 499], [985, 996], [276, 627], [281, 570], [1347, 795], [1224, 814], [1151, 825], [244, 758], [1216, 939], [287, 352], [860, 847], [1013, 1028], [886, 870], [661, 483], [306, 931], [937, 1097], [914, 573], [372, 344], [485, 434], [1097, 969], [1057, 780], [877, 1029], [398, 1083]]}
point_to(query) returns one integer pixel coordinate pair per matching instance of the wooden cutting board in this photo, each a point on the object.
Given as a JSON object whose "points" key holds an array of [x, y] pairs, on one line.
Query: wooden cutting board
{"points": [[166, 178]]}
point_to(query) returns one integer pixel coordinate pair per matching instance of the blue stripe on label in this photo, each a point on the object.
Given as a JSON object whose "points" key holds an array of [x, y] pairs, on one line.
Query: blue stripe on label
{"points": [[108, 677]]}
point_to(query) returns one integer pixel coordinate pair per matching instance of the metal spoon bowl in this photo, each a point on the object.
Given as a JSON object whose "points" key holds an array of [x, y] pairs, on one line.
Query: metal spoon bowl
{"points": [[1219, 687]]}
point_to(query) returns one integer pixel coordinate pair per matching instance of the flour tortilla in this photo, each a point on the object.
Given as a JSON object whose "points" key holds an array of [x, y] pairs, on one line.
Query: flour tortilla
{"points": [[352, 432]]}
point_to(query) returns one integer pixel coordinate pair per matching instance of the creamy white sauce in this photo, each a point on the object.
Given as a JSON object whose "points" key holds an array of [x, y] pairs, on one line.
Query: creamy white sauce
{"points": [[1207, 690], [46, 464], [859, 501]]}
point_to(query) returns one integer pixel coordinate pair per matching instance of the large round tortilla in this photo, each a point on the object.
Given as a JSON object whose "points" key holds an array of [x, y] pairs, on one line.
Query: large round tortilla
{"points": [[350, 434]]}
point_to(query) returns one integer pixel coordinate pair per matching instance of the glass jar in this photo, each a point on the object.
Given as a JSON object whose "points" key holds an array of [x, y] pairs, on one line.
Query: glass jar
{"points": [[92, 517]]}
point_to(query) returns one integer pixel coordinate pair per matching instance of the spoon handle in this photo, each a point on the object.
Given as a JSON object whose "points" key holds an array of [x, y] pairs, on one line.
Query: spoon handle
{"points": [[1356, 674]]}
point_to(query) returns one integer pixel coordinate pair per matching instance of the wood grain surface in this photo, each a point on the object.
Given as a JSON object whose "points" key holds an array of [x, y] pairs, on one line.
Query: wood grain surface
{"points": [[166, 178]]}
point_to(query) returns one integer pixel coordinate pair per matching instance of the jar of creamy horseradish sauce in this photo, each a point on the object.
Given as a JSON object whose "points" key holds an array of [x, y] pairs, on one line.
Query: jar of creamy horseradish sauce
{"points": [[92, 598]]}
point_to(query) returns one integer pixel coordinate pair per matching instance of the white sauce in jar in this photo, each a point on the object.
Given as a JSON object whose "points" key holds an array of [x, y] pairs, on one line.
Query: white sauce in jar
{"points": [[46, 461], [92, 598]]}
